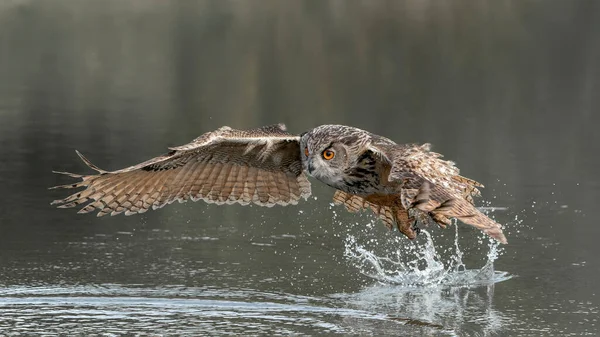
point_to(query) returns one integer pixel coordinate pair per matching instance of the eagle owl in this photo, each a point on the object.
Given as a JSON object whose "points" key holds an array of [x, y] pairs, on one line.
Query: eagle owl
{"points": [[267, 166]]}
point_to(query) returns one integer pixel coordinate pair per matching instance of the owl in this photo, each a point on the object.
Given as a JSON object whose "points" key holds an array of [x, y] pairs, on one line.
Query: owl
{"points": [[402, 184]]}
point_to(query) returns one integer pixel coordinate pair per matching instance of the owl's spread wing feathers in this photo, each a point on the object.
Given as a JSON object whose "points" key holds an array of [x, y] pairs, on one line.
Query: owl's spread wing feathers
{"points": [[417, 163], [226, 166], [387, 213], [434, 186]]}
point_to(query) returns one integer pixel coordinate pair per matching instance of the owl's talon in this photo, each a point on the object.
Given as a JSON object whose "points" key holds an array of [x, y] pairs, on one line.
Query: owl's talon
{"points": [[415, 228]]}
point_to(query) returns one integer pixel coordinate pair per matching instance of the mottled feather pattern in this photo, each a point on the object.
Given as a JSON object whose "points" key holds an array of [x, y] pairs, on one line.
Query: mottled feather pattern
{"points": [[419, 178], [363, 177], [267, 166], [213, 168], [440, 189], [417, 162]]}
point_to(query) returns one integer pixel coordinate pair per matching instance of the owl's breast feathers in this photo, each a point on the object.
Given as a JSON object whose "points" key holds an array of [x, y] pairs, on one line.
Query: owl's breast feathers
{"points": [[364, 177]]}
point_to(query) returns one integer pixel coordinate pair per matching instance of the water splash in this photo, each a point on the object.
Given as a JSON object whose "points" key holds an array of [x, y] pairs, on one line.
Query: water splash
{"points": [[421, 264]]}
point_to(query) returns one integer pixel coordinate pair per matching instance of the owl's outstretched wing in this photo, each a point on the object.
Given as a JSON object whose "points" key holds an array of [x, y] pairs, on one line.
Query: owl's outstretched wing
{"points": [[433, 185], [261, 166]]}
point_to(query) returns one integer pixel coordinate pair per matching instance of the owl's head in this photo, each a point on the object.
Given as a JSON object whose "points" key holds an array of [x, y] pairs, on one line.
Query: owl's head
{"points": [[328, 151]]}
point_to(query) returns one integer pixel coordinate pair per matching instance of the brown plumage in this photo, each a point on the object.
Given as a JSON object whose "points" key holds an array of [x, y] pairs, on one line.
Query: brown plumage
{"points": [[267, 166]]}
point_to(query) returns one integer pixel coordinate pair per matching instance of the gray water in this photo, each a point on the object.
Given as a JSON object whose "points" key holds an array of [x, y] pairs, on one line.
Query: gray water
{"points": [[507, 89]]}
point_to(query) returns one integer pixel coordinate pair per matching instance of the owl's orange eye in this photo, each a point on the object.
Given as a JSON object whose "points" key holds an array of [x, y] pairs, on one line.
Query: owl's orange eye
{"points": [[306, 151], [328, 154]]}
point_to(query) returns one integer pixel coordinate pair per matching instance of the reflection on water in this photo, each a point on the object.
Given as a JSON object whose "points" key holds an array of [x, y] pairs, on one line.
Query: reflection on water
{"points": [[462, 310]]}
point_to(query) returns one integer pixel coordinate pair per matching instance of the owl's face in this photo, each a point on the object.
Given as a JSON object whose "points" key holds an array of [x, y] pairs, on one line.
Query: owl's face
{"points": [[325, 161], [326, 155]]}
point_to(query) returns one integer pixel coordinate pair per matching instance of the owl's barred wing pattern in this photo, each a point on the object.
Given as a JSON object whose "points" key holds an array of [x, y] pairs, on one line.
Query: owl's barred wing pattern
{"points": [[389, 211], [433, 185], [226, 166], [355, 203]]}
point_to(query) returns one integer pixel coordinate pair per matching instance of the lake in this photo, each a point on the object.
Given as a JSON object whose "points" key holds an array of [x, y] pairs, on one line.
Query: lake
{"points": [[506, 89]]}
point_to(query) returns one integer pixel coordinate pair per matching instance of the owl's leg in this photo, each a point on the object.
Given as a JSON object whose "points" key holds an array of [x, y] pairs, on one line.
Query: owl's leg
{"points": [[416, 228], [440, 219], [413, 218], [406, 223]]}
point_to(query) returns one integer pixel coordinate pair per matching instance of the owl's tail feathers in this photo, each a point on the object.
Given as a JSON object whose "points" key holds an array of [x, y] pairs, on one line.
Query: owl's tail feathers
{"points": [[464, 211]]}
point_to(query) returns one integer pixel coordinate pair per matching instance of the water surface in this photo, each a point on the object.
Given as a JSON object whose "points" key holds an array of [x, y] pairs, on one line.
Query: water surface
{"points": [[506, 89]]}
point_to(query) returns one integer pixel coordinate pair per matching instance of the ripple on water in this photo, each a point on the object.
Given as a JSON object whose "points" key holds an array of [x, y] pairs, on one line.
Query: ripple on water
{"points": [[117, 309]]}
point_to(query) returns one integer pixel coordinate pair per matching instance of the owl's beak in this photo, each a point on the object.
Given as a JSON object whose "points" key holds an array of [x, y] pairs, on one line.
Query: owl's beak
{"points": [[310, 167]]}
